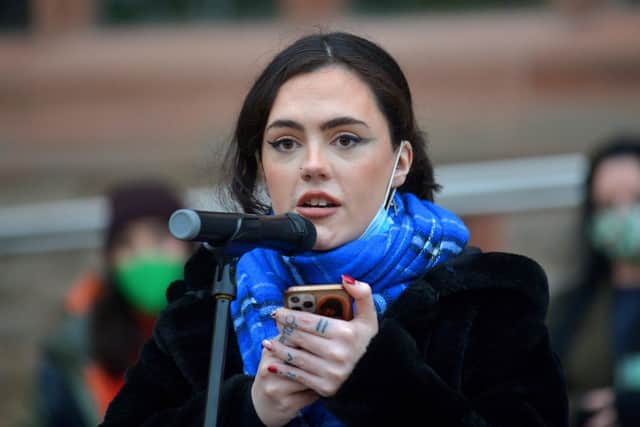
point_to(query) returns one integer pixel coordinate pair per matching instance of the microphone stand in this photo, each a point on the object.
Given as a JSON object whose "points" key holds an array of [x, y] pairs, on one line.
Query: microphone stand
{"points": [[246, 230], [224, 291]]}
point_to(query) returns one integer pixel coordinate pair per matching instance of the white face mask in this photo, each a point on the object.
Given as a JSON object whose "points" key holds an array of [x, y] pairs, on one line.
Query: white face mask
{"points": [[382, 220]]}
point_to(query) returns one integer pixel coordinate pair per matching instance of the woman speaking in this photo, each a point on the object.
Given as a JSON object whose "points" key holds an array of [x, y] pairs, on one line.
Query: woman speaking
{"points": [[442, 335]]}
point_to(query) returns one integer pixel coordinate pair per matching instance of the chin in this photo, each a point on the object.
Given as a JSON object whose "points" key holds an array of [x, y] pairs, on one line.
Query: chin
{"points": [[321, 246], [327, 240]]}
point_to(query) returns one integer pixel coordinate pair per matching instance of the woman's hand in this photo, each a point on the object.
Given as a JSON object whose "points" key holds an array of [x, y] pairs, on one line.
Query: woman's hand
{"points": [[276, 399], [320, 352]]}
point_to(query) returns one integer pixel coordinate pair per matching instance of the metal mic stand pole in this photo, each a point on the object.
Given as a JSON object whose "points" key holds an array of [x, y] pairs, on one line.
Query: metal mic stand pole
{"points": [[224, 291]]}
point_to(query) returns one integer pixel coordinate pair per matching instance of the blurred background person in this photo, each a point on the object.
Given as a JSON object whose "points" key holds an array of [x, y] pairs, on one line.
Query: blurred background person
{"points": [[596, 325], [109, 314]]}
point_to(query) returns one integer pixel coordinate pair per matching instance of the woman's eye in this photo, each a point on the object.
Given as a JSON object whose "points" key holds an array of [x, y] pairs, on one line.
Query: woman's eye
{"points": [[347, 141], [284, 145]]}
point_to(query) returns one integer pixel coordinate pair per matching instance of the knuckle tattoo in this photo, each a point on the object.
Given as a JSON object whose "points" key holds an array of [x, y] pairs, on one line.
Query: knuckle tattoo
{"points": [[288, 328], [290, 320], [322, 325]]}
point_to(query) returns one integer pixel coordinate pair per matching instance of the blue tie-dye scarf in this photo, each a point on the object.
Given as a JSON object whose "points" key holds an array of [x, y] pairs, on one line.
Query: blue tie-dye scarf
{"points": [[419, 236]]}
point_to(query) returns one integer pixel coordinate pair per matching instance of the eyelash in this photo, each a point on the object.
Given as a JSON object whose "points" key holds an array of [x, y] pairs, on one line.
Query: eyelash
{"points": [[277, 144], [353, 141]]}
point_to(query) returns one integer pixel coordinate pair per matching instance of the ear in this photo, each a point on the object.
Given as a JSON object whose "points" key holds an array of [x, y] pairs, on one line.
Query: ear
{"points": [[404, 164]]}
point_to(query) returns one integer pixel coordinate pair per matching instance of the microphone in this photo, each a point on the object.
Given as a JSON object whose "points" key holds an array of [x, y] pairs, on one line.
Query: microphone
{"points": [[239, 233]]}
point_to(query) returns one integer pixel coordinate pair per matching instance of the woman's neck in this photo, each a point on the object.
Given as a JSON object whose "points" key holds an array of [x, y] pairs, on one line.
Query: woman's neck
{"points": [[625, 275]]}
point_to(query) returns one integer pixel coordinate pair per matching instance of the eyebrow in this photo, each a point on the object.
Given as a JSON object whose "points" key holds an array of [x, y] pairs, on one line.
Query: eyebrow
{"points": [[340, 121], [286, 124], [333, 123]]}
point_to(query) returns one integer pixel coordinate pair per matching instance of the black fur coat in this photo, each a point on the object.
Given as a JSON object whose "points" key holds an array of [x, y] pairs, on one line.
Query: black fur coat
{"points": [[466, 345]]}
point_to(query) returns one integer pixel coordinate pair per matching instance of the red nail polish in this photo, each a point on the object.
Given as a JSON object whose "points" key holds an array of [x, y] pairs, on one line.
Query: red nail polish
{"points": [[272, 369], [348, 279]]}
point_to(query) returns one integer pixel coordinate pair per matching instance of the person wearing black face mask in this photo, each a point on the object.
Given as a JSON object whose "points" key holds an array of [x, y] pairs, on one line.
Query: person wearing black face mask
{"points": [[109, 315], [596, 326]]}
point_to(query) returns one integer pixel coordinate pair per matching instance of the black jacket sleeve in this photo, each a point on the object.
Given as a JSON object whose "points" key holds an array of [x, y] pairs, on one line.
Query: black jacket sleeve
{"points": [[477, 358]]}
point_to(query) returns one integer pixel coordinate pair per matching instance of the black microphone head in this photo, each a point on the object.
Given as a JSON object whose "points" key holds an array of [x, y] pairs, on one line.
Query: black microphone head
{"points": [[307, 230], [238, 233], [288, 234]]}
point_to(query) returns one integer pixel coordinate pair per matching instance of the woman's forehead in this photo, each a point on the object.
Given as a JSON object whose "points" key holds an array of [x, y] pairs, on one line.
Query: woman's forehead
{"points": [[326, 92]]}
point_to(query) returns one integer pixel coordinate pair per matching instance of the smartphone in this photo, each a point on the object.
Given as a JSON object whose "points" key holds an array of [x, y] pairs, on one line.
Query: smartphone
{"points": [[325, 300]]}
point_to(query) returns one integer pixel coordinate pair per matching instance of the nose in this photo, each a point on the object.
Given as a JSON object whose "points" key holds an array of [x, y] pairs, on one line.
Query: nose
{"points": [[315, 164]]}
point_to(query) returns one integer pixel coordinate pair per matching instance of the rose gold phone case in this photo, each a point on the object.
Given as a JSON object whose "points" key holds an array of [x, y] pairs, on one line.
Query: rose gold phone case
{"points": [[326, 300]]}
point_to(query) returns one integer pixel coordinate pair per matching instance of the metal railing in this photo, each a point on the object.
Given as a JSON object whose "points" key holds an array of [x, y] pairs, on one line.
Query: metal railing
{"points": [[500, 186]]}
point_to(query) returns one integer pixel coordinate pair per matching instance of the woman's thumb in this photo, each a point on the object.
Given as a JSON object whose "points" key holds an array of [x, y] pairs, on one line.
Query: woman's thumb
{"points": [[361, 293]]}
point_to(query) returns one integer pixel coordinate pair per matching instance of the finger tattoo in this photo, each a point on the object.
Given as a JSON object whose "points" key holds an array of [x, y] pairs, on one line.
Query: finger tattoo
{"points": [[288, 328], [291, 375], [322, 325], [290, 320]]}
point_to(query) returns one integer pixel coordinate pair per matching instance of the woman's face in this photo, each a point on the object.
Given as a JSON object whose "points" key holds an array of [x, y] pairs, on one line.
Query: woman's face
{"points": [[616, 183], [327, 154], [146, 235]]}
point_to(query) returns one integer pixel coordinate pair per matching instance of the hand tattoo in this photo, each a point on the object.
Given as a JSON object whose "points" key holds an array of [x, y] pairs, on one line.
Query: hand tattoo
{"points": [[322, 326], [287, 330]]}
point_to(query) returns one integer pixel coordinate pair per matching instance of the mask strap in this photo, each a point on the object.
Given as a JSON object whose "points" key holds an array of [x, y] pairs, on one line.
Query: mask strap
{"points": [[390, 193]]}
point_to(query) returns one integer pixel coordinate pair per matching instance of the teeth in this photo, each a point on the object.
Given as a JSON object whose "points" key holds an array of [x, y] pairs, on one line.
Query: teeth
{"points": [[317, 202]]}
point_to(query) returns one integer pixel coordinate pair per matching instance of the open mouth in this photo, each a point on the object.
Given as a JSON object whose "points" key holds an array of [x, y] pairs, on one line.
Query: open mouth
{"points": [[318, 203]]}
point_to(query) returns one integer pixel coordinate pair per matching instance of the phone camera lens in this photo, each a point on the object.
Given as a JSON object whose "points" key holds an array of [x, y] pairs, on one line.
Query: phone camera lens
{"points": [[307, 304], [295, 299]]}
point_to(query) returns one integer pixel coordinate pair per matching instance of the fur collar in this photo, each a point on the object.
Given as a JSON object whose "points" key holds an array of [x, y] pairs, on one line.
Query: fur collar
{"points": [[474, 270]]}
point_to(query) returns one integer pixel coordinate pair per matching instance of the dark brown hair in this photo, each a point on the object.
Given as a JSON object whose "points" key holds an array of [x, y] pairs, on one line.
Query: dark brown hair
{"points": [[371, 63]]}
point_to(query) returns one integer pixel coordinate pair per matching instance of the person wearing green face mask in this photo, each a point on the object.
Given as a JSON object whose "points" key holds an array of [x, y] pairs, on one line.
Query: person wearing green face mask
{"points": [[153, 268], [615, 231], [596, 325], [110, 315]]}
